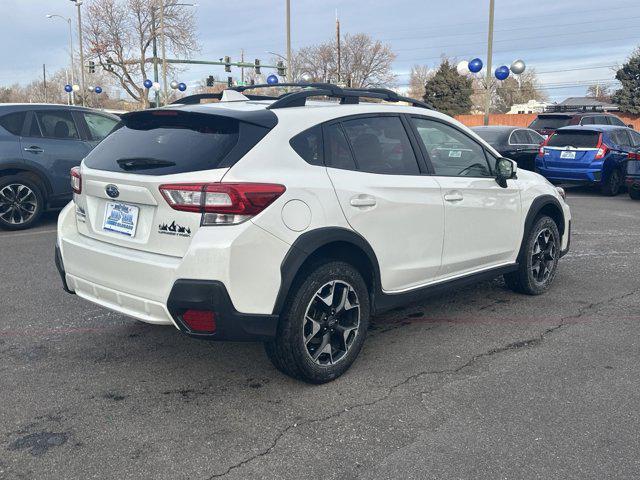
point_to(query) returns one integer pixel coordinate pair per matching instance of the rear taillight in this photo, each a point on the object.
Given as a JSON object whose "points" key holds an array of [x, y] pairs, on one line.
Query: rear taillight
{"points": [[222, 203], [602, 149], [76, 180], [542, 145], [200, 320], [633, 156]]}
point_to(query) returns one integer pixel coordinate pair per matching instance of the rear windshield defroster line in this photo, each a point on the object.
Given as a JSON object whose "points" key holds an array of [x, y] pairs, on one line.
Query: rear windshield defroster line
{"points": [[169, 142]]}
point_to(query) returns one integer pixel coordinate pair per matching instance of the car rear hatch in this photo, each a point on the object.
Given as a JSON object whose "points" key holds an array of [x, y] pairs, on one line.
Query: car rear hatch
{"points": [[546, 125], [572, 149], [121, 201]]}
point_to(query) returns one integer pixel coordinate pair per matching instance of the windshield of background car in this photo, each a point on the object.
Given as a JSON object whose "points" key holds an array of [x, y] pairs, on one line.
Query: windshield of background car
{"points": [[574, 138]]}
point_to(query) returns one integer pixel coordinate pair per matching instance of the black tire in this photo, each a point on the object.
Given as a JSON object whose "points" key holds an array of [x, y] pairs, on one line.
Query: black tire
{"points": [[612, 184], [291, 354], [21, 202], [531, 280], [634, 192]]}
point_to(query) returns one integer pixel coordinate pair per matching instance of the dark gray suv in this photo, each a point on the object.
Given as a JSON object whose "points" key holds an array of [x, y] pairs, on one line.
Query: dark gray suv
{"points": [[39, 144]]}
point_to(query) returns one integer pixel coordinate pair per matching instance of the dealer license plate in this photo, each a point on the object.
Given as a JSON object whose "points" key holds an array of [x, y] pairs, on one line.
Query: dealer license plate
{"points": [[121, 218]]}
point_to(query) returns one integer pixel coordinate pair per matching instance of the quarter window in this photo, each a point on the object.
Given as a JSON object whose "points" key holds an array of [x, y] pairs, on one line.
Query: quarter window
{"points": [[13, 122], [519, 137], [534, 137], [308, 145], [99, 125], [381, 145], [616, 121], [635, 138], [451, 152], [337, 148], [57, 124]]}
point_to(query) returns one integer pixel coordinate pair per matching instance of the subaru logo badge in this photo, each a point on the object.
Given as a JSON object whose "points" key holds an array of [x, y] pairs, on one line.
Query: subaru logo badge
{"points": [[112, 191]]}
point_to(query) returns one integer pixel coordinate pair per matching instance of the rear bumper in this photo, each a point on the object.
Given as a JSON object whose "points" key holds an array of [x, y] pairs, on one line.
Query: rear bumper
{"points": [[580, 176]]}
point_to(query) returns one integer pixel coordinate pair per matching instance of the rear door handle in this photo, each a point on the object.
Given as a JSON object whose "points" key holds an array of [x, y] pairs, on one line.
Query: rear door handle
{"points": [[33, 149], [453, 197], [363, 201]]}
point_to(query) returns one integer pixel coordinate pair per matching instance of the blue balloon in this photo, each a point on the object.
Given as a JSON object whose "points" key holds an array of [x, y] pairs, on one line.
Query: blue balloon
{"points": [[182, 86], [475, 65], [98, 90], [272, 79], [502, 72], [68, 88], [147, 83]]}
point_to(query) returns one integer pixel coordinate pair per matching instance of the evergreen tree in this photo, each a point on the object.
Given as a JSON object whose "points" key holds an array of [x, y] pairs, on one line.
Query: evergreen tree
{"points": [[628, 97], [448, 91]]}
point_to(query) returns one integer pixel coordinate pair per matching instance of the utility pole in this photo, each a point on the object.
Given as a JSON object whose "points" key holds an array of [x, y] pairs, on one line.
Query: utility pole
{"points": [[289, 76], [44, 80], [338, 44], [154, 32], [487, 106], [164, 55], [82, 87], [242, 68]]}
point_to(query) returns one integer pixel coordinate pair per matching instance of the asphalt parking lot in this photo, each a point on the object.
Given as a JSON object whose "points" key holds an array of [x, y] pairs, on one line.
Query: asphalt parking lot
{"points": [[479, 383]]}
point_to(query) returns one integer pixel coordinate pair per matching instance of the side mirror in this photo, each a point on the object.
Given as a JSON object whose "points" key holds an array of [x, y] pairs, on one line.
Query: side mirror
{"points": [[631, 126], [505, 170]]}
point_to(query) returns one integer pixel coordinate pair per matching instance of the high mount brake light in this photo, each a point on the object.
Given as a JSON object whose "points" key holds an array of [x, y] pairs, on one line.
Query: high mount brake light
{"points": [[76, 180], [222, 203]]}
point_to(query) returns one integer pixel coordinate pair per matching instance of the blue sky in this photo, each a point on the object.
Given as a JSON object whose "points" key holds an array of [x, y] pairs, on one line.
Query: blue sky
{"points": [[571, 43]]}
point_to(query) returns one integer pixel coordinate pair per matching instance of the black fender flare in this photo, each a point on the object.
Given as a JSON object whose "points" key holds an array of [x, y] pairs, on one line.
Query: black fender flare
{"points": [[536, 207], [308, 243]]}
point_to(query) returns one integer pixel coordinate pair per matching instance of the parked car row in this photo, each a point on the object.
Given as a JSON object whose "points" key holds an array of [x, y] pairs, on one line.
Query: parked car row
{"points": [[39, 144], [595, 149]]}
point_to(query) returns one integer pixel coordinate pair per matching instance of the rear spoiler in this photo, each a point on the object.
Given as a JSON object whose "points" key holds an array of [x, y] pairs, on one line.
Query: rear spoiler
{"points": [[179, 115]]}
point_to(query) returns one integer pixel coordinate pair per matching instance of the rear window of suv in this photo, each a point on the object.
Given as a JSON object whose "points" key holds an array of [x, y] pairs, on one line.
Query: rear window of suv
{"points": [[162, 143], [550, 122], [574, 138]]}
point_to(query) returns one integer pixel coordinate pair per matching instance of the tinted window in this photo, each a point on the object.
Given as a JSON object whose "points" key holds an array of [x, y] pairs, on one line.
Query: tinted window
{"points": [[161, 144], [308, 145], [534, 137], [616, 121], [381, 145], [587, 121], [57, 124], [338, 151], [574, 138], [621, 138], [519, 137], [13, 122], [635, 138], [99, 125], [490, 135], [451, 152], [600, 120], [549, 122]]}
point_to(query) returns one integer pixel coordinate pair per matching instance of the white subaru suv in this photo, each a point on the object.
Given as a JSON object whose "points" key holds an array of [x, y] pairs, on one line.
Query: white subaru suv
{"points": [[292, 221]]}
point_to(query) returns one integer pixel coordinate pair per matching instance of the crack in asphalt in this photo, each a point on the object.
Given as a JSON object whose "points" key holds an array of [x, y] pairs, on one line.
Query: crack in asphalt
{"points": [[527, 343]]}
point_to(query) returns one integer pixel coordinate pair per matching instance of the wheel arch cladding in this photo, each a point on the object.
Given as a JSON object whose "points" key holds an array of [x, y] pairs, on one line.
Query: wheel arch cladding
{"points": [[544, 205], [33, 174], [333, 243]]}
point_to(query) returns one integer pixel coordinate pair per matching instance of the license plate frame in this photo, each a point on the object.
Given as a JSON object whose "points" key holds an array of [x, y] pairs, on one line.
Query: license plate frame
{"points": [[568, 155], [121, 218]]}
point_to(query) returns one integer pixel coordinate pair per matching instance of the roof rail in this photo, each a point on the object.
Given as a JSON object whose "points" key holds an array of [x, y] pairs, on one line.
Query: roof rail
{"points": [[312, 89]]}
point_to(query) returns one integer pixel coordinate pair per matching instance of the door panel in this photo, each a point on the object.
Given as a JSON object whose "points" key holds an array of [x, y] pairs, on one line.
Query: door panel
{"points": [[401, 216], [482, 219]]}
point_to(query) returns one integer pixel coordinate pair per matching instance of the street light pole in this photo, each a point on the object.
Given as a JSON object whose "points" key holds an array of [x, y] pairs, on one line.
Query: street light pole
{"points": [[289, 75], [487, 105], [68, 20], [82, 88], [163, 46]]}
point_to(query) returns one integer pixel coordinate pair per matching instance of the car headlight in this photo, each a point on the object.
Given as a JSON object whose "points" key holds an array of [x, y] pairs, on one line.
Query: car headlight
{"points": [[561, 192]]}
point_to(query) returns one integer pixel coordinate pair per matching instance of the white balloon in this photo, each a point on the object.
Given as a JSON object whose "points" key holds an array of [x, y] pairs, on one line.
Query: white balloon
{"points": [[91, 89], [156, 86], [518, 66], [76, 88], [463, 67]]}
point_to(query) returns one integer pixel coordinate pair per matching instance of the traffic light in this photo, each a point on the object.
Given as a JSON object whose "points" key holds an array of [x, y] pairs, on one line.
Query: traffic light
{"points": [[109, 66], [282, 71], [256, 66], [210, 81], [229, 81], [227, 64], [92, 66]]}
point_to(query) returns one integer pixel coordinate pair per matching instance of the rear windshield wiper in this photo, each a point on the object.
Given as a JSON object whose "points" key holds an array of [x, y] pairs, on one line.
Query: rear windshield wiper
{"points": [[130, 164]]}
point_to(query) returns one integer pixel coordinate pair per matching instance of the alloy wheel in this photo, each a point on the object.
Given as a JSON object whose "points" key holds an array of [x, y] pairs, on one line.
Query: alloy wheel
{"points": [[543, 255], [331, 323], [18, 203]]}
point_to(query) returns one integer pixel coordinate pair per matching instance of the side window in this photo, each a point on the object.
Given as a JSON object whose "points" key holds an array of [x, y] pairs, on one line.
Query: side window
{"points": [[57, 124], [518, 137], [381, 145], [534, 137], [451, 152], [13, 122], [616, 121], [99, 125], [635, 138], [600, 120], [308, 145], [587, 121], [338, 153], [623, 138]]}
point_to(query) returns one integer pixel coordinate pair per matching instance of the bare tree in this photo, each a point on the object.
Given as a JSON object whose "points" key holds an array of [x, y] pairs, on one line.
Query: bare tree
{"points": [[120, 34], [602, 93], [417, 80]]}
